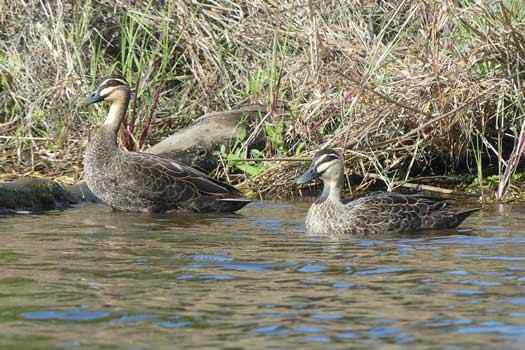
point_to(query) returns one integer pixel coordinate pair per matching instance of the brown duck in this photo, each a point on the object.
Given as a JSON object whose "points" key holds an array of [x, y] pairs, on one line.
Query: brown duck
{"points": [[133, 181], [375, 214]]}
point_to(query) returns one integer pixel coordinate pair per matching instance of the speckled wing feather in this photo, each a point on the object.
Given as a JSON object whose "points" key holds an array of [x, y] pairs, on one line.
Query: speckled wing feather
{"points": [[395, 213], [167, 184]]}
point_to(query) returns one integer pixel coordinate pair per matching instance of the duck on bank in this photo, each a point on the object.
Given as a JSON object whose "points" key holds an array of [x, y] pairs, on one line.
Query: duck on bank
{"points": [[375, 214], [143, 182]]}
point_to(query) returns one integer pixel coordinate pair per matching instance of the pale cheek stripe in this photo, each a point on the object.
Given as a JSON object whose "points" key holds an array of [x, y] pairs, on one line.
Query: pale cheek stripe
{"points": [[323, 166], [106, 91], [320, 160]]}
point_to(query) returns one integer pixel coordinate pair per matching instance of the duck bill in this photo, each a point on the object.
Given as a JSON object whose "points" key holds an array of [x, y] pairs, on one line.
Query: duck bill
{"points": [[309, 175], [94, 98]]}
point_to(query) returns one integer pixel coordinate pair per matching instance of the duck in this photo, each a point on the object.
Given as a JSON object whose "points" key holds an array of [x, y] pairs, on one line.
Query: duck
{"points": [[373, 214], [144, 182]]}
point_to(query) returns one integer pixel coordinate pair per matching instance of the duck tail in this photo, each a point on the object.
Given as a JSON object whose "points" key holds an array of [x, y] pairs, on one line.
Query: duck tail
{"points": [[462, 215], [217, 205], [445, 219], [230, 205]]}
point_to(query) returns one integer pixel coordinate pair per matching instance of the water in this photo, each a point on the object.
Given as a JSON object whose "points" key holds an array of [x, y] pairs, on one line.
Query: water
{"points": [[92, 279]]}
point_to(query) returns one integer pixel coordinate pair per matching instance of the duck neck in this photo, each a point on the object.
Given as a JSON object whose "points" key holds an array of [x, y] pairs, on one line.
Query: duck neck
{"points": [[331, 190], [117, 110]]}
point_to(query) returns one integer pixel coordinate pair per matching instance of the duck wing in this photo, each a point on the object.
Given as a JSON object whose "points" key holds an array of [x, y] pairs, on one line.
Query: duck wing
{"points": [[392, 212], [214, 196], [177, 171], [164, 184]]}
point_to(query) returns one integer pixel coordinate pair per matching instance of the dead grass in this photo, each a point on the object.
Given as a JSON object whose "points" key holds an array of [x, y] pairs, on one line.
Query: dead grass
{"points": [[405, 88]]}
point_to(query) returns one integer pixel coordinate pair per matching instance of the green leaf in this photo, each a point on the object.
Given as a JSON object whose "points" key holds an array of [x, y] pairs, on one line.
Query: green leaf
{"points": [[251, 170]]}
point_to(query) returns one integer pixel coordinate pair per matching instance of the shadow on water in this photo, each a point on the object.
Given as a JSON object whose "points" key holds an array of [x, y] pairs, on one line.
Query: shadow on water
{"points": [[92, 278]]}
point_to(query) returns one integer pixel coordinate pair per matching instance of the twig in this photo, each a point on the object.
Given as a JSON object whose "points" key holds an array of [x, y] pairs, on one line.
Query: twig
{"points": [[417, 111], [388, 99], [512, 164], [130, 127], [436, 119], [271, 159], [256, 131], [34, 138], [420, 187], [147, 123]]}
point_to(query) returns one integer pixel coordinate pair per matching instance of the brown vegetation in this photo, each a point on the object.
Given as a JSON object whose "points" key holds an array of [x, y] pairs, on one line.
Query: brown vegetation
{"points": [[405, 88]]}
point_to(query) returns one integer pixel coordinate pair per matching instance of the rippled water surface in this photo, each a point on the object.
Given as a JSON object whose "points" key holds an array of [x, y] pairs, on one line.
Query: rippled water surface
{"points": [[90, 278]]}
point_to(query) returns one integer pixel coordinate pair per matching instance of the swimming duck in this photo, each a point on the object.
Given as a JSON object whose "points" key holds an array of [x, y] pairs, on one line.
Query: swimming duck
{"points": [[143, 182], [375, 214]]}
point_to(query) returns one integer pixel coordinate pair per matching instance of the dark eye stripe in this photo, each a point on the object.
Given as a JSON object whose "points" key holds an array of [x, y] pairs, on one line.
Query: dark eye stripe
{"points": [[330, 157], [326, 158]]}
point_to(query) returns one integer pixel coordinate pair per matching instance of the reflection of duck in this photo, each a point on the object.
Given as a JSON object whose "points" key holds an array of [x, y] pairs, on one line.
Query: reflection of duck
{"points": [[377, 213], [135, 181]]}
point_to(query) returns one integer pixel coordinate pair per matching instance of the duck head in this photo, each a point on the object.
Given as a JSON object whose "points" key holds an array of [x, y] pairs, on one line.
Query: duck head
{"points": [[326, 165], [110, 89]]}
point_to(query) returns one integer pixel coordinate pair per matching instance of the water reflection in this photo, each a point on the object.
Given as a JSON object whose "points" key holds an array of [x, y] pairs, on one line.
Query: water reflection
{"points": [[94, 278]]}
